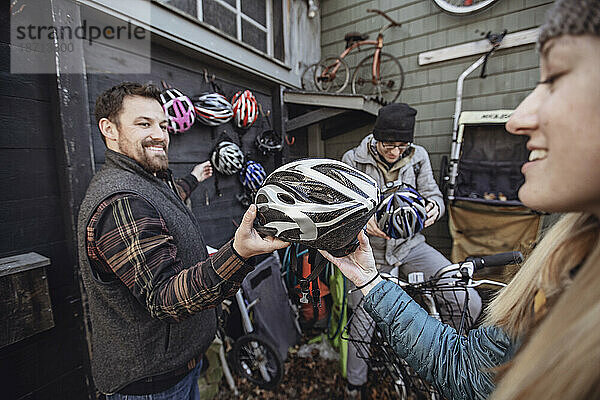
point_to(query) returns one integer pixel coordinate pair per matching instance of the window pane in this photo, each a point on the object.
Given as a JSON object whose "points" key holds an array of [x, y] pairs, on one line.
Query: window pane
{"points": [[255, 9], [218, 16], [187, 6], [254, 36], [278, 49], [230, 2]]}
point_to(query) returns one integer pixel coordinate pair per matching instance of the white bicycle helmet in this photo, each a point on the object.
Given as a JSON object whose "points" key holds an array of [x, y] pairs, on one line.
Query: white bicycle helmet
{"points": [[245, 109], [212, 109], [320, 203], [179, 110], [227, 158], [402, 214]]}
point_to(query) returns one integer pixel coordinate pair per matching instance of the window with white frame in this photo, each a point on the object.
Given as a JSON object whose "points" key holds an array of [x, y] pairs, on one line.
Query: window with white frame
{"points": [[258, 23]]}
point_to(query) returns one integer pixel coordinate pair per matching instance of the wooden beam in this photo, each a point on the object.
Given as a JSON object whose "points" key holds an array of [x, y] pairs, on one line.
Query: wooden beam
{"points": [[312, 117], [73, 144], [22, 262], [479, 47]]}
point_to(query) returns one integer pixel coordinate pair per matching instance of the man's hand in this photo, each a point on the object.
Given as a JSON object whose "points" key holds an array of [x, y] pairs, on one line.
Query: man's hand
{"points": [[203, 171], [373, 229], [247, 242], [359, 266], [433, 212]]}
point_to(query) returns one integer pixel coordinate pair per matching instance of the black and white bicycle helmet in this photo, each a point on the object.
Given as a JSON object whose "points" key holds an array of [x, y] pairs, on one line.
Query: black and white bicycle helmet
{"points": [[227, 158], [212, 109], [245, 109], [320, 203], [179, 110], [269, 141], [402, 214]]}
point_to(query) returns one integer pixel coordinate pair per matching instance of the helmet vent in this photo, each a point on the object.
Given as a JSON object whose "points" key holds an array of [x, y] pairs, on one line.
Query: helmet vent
{"points": [[286, 198]]}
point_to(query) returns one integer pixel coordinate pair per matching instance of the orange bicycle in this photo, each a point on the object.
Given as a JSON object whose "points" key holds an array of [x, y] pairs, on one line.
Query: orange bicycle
{"points": [[379, 75]]}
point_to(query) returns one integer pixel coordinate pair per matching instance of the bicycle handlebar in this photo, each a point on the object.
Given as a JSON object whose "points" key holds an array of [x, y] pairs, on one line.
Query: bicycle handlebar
{"points": [[384, 15], [496, 260]]}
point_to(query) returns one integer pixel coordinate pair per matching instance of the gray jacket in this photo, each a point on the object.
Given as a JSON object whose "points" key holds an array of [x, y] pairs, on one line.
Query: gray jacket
{"points": [[416, 172], [461, 367]]}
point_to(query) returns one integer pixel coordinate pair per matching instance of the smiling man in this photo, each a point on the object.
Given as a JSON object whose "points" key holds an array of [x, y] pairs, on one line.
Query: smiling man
{"points": [[389, 156], [151, 287]]}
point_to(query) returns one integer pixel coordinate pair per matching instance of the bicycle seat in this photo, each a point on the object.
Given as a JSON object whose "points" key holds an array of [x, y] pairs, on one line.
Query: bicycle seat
{"points": [[355, 36]]}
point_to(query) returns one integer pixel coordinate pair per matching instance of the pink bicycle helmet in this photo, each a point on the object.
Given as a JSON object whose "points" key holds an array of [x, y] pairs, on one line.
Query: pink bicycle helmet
{"points": [[245, 109], [179, 110], [212, 109]]}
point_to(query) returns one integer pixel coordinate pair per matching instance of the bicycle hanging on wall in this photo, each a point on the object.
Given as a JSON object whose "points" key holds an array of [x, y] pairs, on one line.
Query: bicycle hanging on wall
{"points": [[379, 75]]}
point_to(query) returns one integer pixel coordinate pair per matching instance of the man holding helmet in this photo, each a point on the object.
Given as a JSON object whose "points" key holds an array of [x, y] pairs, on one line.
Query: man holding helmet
{"points": [[389, 156]]}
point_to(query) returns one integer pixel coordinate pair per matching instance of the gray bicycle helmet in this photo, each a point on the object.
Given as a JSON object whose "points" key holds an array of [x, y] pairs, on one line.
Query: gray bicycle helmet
{"points": [[227, 158], [402, 214], [320, 203]]}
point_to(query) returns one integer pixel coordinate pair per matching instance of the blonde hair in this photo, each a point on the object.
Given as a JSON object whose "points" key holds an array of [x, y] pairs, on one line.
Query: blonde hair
{"points": [[548, 268], [562, 358]]}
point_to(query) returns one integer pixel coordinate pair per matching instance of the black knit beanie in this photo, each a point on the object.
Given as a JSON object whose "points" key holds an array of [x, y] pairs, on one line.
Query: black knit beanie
{"points": [[570, 17], [395, 123]]}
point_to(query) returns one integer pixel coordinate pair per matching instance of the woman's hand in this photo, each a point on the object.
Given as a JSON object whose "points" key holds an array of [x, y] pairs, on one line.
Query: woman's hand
{"points": [[373, 229], [359, 266]]}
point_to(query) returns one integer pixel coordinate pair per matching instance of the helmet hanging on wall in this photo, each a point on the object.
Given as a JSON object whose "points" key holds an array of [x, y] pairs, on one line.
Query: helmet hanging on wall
{"points": [[320, 203], [269, 141], [179, 110], [402, 214], [212, 109], [252, 176], [245, 109], [227, 158]]}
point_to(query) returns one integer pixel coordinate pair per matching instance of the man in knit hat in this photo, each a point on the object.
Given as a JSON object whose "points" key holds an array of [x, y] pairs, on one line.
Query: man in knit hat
{"points": [[390, 157]]}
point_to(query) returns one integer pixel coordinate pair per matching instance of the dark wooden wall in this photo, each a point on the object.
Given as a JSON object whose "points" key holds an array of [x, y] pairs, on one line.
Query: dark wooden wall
{"points": [[47, 365], [219, 217], [36, 190]]}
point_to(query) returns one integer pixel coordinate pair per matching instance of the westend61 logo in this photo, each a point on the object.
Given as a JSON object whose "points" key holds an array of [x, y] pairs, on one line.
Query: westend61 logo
{"points": [[73, 38], [84, 32]]}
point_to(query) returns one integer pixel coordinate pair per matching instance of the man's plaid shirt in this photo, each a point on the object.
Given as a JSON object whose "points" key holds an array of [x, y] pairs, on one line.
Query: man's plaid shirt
{"points": [[128, 240]]}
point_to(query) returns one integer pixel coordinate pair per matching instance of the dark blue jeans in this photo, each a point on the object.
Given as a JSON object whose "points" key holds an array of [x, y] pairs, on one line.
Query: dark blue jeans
{"points": [[186, 389]]}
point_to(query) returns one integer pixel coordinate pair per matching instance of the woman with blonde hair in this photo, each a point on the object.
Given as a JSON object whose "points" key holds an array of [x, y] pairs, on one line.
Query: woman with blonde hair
{"points": [[549, 314]]}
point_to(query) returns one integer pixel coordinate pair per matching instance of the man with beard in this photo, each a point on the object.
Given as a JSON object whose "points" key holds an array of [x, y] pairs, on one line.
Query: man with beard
{"points": [[151, 286]]}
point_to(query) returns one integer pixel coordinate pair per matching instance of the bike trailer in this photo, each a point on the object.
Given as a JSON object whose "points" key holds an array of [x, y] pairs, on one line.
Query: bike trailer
{"points": [[481, 184], [272, 315]]}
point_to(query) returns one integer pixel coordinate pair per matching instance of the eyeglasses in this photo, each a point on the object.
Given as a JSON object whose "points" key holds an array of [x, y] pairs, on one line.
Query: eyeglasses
{"points": [[390, 146]]}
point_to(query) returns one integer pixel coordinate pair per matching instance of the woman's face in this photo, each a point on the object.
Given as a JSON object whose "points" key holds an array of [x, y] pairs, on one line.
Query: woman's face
{"points": [[562, 119]]}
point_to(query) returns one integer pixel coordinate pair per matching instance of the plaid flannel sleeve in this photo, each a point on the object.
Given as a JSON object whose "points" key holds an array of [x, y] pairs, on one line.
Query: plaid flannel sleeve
{"points": [[127, 237]]}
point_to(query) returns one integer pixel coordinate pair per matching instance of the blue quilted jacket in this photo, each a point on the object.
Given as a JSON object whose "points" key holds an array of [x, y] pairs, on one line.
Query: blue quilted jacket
{"points": [[459, 366]]}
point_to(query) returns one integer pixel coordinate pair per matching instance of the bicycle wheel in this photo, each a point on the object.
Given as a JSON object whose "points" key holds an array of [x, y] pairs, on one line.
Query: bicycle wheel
{"points": [[308, 78], [257, 360], [387, 88], [463, 7], [328, 79]]}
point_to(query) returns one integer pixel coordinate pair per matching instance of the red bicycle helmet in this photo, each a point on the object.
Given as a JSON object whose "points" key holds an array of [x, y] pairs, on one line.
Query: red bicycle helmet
{"points": [[245, 109]]}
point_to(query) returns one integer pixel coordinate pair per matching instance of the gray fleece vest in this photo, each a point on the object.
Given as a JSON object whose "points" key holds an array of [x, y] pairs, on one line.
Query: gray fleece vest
{"points": [[127, 343]]}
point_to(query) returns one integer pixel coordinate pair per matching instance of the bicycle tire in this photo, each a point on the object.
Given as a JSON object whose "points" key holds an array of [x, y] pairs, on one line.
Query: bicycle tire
{"points": [[390, 83], [247, 360], [323, 79], [308, 79], [463, 7]]}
